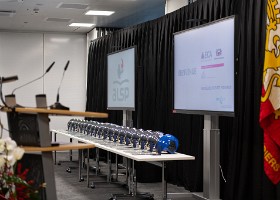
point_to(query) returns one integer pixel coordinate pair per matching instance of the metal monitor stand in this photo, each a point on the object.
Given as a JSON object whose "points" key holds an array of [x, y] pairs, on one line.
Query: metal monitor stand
{"points": [[127, 118], [211, 159], [127, 122]]}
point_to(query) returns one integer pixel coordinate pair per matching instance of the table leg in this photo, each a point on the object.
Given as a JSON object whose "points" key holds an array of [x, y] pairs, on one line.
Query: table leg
{"points": [[97, 161], [70, 152], [127, 171], [80, 163], [129, 176], [164, 184], [54, 151], [88, 167], [133, 177], [117, 168], [109, 167]]}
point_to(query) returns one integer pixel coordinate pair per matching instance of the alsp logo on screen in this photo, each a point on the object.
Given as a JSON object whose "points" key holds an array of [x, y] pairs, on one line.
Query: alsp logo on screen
{"points": [[120, 90]]}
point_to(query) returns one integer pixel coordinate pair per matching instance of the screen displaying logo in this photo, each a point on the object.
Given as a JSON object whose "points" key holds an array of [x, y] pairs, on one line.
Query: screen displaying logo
{"points": [[121, 67], [120, 91], [219, 52], [206, 55]]}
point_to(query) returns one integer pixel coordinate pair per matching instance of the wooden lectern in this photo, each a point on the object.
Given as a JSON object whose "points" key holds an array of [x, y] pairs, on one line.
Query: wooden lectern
{"points": [[29, 127]]}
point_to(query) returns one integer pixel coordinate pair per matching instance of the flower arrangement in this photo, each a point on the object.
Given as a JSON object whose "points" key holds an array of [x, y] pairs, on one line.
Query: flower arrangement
{"points": [[14, 186]]}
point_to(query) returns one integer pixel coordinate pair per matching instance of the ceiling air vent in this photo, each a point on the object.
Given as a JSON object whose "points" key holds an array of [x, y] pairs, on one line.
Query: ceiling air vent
{"points": [[57, 20], [73, 6], [7, 13], [11, 1]]}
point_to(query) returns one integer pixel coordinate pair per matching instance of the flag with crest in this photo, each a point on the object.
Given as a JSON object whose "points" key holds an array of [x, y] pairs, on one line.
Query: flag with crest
{"points": [[270, 99]]}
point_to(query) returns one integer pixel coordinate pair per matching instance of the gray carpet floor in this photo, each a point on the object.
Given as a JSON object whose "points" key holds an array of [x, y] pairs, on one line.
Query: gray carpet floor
{"points": [[69, 187]]}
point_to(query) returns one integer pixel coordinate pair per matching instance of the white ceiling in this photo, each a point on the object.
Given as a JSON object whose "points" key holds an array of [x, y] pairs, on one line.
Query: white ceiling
{"points": [[48, 15]]}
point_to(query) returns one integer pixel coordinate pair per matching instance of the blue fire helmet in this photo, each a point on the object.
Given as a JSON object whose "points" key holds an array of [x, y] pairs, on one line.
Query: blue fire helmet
{"points": [[167, 143]]}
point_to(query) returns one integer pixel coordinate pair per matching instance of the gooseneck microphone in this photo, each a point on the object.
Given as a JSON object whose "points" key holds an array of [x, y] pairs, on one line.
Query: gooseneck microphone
{"points": [[58, 105], [49, 68]]}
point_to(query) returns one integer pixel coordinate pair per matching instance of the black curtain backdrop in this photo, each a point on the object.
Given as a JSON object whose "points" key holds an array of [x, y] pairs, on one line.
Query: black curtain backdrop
{"points": [[241, 137]]}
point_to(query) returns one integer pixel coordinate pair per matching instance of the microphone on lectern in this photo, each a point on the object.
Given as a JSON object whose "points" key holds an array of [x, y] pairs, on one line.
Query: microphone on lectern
{"points": [[58, 105], [49, 68]]}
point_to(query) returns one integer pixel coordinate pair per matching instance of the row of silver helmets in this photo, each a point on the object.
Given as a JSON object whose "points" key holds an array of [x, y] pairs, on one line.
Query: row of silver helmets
{"points": [[138, 138]]}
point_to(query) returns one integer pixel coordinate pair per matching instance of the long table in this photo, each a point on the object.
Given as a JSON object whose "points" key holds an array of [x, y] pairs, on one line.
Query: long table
{"points": [[130, 153]]}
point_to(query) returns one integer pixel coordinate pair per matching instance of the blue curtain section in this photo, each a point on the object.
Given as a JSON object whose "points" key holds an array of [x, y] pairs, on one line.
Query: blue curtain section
{"points": [[241, 137]]}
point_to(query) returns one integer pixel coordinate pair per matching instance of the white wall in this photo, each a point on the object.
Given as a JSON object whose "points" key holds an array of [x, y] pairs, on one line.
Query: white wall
{"points": [[172, 5], [91, 35], [28, 55], [21, 54]]}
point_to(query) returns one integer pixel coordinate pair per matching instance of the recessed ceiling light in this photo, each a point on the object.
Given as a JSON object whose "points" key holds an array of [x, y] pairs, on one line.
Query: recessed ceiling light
{"points": [[60, 40], [53, 19], [99, 12], [81, 24], [72, 6]]}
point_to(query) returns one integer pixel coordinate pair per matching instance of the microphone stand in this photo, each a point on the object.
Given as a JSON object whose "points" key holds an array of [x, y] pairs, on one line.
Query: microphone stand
{"points": [[49, 68], [57, 104]]}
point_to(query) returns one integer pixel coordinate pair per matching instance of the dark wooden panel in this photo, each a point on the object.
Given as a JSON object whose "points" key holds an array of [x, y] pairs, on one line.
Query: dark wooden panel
{"points": [[24, 128]]}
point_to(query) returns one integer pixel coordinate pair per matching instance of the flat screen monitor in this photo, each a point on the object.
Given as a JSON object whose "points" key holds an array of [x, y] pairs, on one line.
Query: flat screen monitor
{"points": [[204, 69], [121, 79]]}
